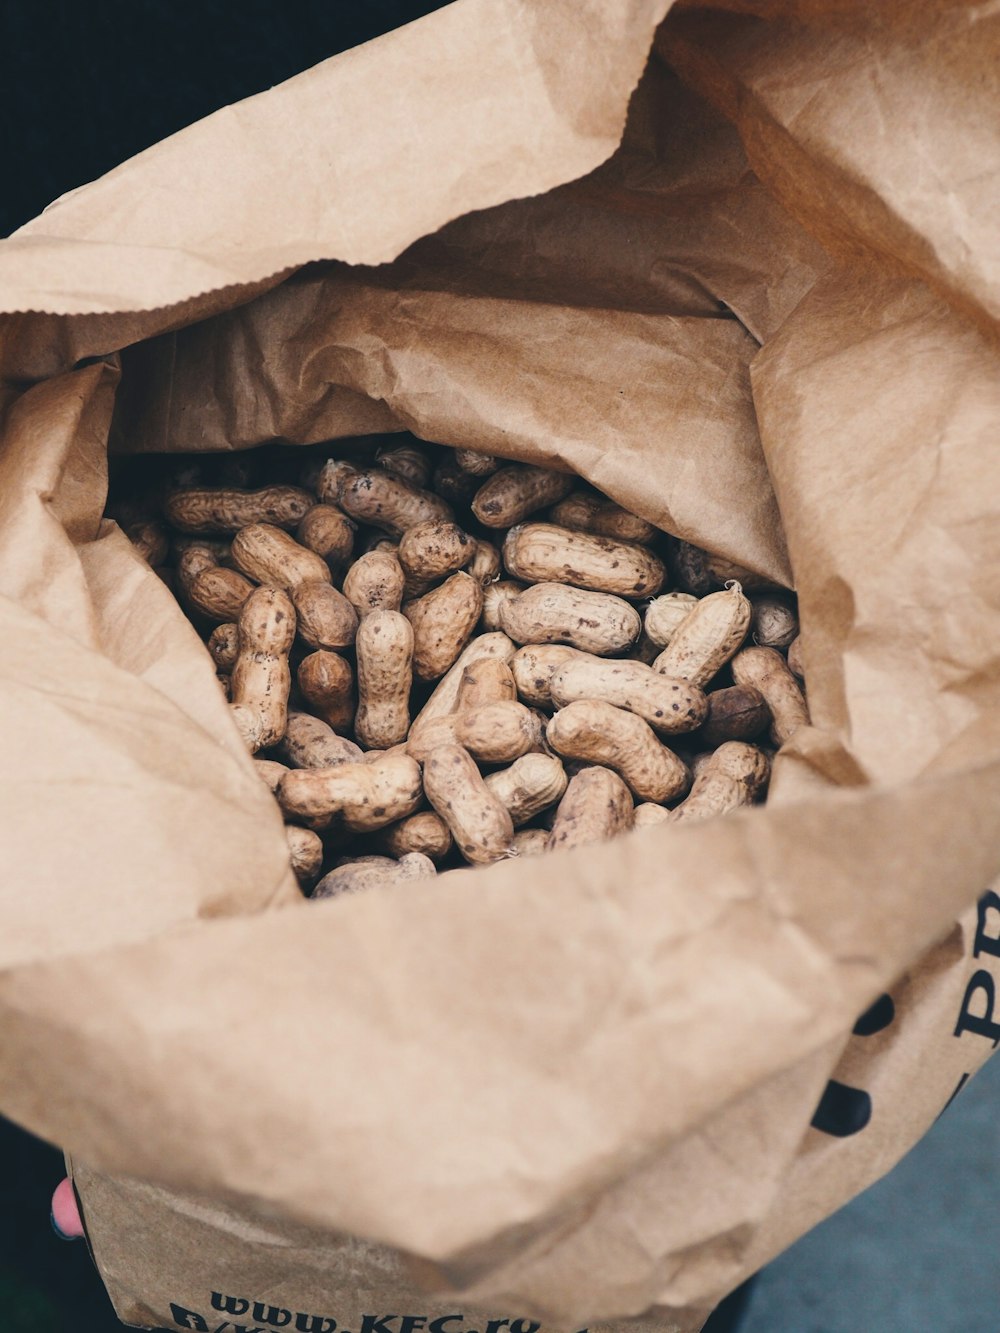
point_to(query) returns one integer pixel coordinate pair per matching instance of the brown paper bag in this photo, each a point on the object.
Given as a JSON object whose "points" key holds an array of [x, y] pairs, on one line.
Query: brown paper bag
{"points": [[608, 1088]]}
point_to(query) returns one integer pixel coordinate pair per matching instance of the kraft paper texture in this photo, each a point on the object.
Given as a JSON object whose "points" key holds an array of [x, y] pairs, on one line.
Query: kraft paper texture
{"points": [[736, 267]]}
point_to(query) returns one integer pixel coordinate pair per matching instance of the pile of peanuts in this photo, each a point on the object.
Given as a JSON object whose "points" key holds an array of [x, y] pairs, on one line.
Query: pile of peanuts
{"points": [[459, 659]]}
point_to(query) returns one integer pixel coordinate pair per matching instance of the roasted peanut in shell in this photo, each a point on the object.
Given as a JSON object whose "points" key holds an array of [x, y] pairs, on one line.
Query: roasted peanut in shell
{"points": [[669, 706], [384, 648], [546, 553], [594, 622], [597, 806], [601, 734], [359, 798], [227, 510], [443, 621], [767, 671], [510, 495], [261, 678], [479, 823]]}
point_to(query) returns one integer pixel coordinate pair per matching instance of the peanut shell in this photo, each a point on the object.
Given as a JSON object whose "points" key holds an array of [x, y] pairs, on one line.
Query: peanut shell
{"points": [[594, 622], [443, 621], [546, 553], [597, 806], [481, 826], [601, 734], [514, 492]]}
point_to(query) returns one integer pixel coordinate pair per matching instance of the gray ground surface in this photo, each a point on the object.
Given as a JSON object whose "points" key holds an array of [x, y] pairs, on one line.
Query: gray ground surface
{"points": [[916, 1253]]}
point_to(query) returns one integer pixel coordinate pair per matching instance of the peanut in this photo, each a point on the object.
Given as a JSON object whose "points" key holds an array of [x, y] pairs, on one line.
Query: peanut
{"points": [[389, 502], [261, 678], [481, 826], [193, 560], [530, 785], [601, 734], [428, 551], [219, 593], [375, 583], [485, 564], [376, 541], [326, 619], [766, 670], [731, 777], [228, 510], [533, 668], [690, 565], [310, 743], [267, 554], [494, 595], [774, 623], [333, 477], [150, 540], [305, 851], [701, 572], [594, 513], [513, 493], [493, 733], [666, 614], [545, 553], [411, 464], [724, 571], [325, 682], [735, 714], [488, 681], [669, 706], [443, 621], [223, 644], [218, 547], [645, 650], [649, 813], [384, 649], [424, 832], [476, 464], [597, 806], [595, 622], [329, 533], [529, 842], [370, 872], [356, 797], [456, 486], [445, 693], [372, 756], [795, 663], [707, 638]]}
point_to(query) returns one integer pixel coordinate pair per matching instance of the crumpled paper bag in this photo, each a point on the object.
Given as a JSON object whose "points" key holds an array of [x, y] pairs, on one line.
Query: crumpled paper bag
{"points": [[611, 1085]]}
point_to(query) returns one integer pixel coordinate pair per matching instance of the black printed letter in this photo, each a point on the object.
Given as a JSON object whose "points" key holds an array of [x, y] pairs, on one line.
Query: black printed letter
{"points": [[440, 1325], [271, 1315], [373, 1323], [968, 1021], [229, 1304], [986, 943], [187, 1318]]}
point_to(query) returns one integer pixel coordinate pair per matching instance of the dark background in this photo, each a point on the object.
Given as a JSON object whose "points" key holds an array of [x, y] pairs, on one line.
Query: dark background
{"points": [[83, 87]]}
